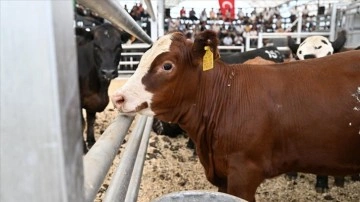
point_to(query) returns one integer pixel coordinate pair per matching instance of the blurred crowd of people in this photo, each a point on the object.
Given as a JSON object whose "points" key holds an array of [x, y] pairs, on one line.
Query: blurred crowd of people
{"points": [[137, 11], [232, 30]]}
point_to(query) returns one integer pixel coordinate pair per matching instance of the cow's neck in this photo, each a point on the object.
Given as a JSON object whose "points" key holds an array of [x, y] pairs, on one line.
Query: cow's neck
{"points": [[212, 93], [201, 119]]}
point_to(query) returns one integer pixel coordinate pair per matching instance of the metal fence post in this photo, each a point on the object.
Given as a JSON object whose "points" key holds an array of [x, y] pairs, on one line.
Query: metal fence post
{"points": [[40, 127]]}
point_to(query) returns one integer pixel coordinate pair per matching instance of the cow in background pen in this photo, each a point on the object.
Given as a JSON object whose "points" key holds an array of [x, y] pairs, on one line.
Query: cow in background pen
{"points": [[98, 54], [316, 46]]}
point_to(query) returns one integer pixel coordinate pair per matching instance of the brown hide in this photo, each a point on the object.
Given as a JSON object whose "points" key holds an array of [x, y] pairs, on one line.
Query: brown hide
{"points": [[258, 61], [252, 122]]}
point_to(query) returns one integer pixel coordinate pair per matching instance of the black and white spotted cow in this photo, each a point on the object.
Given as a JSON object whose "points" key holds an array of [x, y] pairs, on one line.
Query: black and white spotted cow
{"points": [[316, 46]]}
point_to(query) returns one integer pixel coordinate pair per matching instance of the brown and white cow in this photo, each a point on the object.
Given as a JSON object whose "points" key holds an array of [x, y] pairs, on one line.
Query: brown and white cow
{"points": [[252, 122]]}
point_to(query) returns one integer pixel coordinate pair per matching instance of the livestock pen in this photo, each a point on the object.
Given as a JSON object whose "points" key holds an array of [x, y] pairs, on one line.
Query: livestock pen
{"points": [[41, 156]]}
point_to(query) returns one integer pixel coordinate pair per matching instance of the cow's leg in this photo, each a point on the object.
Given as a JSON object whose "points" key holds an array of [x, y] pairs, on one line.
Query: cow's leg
{"points": [[223, 187], [90, 119], [291, 175], [244, 179], [321, 185], [355, 177], [339, 181]]}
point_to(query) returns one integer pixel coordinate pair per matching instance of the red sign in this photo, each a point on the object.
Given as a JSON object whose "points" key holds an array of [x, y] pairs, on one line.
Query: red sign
{"points": [[227, 5]]}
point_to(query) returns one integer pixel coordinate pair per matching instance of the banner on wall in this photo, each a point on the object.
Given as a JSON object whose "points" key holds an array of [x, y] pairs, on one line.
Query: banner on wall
{"points": [[227, 5]]}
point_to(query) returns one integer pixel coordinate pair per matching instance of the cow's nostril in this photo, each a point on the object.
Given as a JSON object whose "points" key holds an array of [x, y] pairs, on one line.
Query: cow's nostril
{"points": [[118, 100], [109, 74], [309, 56]]}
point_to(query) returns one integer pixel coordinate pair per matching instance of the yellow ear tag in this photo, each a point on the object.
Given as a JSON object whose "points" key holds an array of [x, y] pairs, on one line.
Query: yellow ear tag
{"points": [[208, 60]]}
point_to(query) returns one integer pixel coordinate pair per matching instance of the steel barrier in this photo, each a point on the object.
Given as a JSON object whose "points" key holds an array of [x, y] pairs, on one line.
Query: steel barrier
{"points": [[98, 160], [283, 35], [130, 59]]}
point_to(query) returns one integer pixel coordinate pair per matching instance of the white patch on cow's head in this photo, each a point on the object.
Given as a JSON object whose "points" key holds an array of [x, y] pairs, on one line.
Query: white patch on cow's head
{"points": [[134, 91], [318, 46]]}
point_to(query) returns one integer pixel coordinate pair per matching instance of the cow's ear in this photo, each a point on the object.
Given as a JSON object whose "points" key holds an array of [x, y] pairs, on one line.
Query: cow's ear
{"points": [[204, 42], [339, 43], [292, 45], [85, 33]]}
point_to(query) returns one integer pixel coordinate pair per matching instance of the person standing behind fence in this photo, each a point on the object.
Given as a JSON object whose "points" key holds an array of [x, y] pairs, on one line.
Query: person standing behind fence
{"points": [[183, 13], [228, 41], [219, 14], [134, 12], [240, 14], [212, 14], [228, 17], [125, 7], [293, 13], [192, 15], [203, 16], [305, 15]]}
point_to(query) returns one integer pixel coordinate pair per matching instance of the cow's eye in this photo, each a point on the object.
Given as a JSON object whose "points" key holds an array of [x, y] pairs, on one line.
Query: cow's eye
{"points": [[167, 66], [300, 52]]}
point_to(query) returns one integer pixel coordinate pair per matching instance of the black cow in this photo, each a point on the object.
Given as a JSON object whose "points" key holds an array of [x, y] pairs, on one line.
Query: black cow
{"points": [[270, 53], [98, 59]]}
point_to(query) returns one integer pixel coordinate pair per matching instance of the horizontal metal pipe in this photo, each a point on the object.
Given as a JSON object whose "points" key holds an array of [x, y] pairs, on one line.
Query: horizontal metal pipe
{"points": [[100, 157], [133, 190], [116, 14], [120, 180]]}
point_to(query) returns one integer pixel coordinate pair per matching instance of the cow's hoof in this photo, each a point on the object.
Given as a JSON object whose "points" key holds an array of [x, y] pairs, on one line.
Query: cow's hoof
{"points": [[90, 143], [158, 127], [291, 176], [355, 177], [85, 149], [321, 189], [339, 181]]}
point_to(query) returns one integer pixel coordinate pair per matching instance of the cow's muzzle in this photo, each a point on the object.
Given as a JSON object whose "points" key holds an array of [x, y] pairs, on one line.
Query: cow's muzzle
{"points": [[309, 56], [118, 101], [109, 74]]}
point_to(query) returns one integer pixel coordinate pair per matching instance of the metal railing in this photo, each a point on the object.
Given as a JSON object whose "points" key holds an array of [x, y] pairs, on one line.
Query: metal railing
{"points": [[130, 60], [97, 162], [261, 36]]}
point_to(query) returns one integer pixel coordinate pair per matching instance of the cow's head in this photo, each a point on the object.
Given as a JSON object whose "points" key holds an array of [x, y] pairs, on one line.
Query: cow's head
{"points": [[167, 75], [106, 45], [316, 46]]}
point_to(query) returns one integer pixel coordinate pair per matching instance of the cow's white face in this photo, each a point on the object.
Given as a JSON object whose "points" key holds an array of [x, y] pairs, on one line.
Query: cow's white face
{"points": [[134, 96], [314, 47]]}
